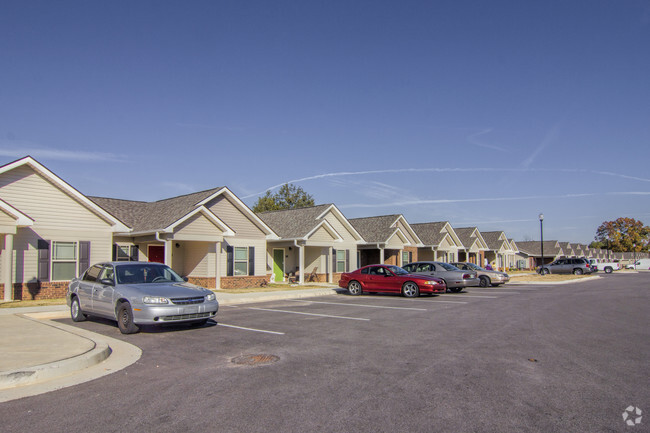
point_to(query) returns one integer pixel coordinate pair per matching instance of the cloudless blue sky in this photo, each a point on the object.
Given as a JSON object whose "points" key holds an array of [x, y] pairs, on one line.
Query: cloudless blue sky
{"points": [[477, 112]]}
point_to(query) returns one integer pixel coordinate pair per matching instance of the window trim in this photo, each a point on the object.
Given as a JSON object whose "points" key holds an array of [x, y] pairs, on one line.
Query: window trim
{"points": [[235, 261], [340, 261], [54, 261]]}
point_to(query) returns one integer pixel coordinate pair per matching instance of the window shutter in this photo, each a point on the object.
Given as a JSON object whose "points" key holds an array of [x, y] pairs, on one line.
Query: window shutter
{"points": [[251, 260], [347, 260], [114, 252], [43, 260], [230, 256], [84, 256], [334, 269], [410, 256], [135, 253]]}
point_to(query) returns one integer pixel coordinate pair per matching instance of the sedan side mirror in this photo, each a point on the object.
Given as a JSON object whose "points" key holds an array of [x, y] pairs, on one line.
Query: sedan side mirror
{"points": [[107, 282]]}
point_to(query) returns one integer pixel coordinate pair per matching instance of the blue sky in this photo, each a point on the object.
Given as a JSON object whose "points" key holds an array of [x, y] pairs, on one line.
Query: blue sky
{"points": [[478, 113]]}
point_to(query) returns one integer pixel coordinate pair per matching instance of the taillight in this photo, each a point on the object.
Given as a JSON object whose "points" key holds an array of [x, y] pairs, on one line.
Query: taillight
{"points": [[466, 276]]}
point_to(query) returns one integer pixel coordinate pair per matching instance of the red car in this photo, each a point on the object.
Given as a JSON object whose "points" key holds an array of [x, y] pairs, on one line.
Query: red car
{"points": [[390, 279]]}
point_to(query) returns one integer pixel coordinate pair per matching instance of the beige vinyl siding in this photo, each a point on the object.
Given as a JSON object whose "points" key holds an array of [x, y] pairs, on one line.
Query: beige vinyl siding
{"points": [[314, 258], [26, 248], [260, 253], [322, 234], [405, 230], [198, 260], [7, 220], [395, 242], [196, 228], [45, 203], [339, 227], [240, 223]]}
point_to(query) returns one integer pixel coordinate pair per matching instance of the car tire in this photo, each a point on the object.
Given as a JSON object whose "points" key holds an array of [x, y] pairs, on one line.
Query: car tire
{"points": [[410, 290], [455, 289], [577, 271], [125, 319], [496, 285], [545, 271], [354, 288], [485, 281], [75, 311], [608, 270]]}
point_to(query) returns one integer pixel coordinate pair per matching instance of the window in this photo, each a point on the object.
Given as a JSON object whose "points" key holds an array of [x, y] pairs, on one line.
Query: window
{"points": [[340, 260], [405, 257], [92, 274], [122, 253], [241, 261], [64, 260]]}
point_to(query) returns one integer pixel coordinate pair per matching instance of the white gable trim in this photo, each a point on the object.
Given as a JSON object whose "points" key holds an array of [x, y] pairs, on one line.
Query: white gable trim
{"points": [[22, 220], [410, 231], [227, 231], [270, 234], [327, 227], [401, 235], [338, 214], [452, 233], [117, 225]]}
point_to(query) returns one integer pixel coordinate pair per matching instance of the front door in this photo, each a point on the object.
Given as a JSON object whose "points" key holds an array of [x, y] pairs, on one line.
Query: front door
{"points": [[157, 253], [278, 265]]}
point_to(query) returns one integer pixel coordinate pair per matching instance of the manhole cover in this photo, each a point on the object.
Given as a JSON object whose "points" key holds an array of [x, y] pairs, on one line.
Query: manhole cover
{"points": [[258, 359]]}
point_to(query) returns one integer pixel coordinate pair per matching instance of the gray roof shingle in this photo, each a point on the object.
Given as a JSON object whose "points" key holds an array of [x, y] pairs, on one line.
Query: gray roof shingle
{"points": [[375, 229], [293, 223], [430, 234]]}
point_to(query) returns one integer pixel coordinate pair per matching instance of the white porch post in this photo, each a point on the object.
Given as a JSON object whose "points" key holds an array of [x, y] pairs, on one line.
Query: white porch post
{"points": [[435, 254], [168, 253], [330, 274], [381, 255], [217, 265], [301, 263], [7, 265]]}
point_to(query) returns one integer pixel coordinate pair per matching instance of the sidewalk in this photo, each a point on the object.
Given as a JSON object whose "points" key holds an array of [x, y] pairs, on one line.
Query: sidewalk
{"points": [[39, 355]]}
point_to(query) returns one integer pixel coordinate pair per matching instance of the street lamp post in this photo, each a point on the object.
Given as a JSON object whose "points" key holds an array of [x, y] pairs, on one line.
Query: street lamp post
{"points": [[541, 230], [634, 250]]}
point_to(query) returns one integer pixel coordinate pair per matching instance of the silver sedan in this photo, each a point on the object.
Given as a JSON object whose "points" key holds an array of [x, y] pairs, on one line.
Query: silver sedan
{"points": [[456, 279], [138, 293]]}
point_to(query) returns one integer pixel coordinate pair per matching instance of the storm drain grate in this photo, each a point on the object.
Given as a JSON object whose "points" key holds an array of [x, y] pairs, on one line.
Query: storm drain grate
{"points": [[258, 359]]}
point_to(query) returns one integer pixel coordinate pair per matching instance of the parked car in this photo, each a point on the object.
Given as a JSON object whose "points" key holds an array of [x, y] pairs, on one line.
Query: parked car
{"points": [[639, 264], [603, 265], [389, 279], [486, 277], [138, 293], [566, 266], [455, 279]]}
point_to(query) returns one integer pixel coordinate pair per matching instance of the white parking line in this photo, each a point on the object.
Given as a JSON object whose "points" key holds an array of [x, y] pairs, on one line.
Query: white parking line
{"points": [[250, 329], [359, 305], [487, 289], [307, 314], [439, 300], [495, 293], [458, 295], [388, 298]]}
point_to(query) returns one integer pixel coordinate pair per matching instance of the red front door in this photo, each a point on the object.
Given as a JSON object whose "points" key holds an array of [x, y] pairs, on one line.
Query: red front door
{"points": [[157, 253]]}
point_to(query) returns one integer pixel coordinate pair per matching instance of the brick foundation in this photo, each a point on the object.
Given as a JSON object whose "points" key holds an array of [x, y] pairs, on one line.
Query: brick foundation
{"points": [[38, 290], [208, 283], [243, 282]]}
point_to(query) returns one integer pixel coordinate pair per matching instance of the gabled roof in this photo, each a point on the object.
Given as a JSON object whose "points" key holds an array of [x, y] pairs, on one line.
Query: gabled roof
{"points": [[495, 240], [164, 215], [22, 220], [433, 233], [469, 235], [533, 248], [513, 245], [117, 225], [379, 229], [290, 224]]}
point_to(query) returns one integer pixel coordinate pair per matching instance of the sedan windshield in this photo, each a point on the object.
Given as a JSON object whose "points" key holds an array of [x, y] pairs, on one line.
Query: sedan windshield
{"points": [[475, 267], [397, 270], [145, 274], [448, 267]]}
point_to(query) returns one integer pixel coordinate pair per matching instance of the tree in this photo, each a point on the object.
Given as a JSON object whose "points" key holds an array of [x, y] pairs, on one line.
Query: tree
{"points": [[288, 196], [621, 234]]}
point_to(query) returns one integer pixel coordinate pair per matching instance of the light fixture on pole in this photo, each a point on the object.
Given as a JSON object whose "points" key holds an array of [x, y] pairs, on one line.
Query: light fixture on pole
{"points": [[634, 250], [541, 230]]}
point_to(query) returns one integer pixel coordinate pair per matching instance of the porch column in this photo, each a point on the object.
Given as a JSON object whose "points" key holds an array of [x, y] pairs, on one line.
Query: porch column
{"points": [[330, 273], [301, 263], [381, 255], [168, 252], [7, 265], [435, 254], [217, 264]]}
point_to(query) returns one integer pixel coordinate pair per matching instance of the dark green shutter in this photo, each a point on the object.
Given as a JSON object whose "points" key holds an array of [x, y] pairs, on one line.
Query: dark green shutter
{"points": [[347, 260], [84, 256], [43, 260], [230, 255], [135, 253], [251, 260], [114, 252], [334, 269]]}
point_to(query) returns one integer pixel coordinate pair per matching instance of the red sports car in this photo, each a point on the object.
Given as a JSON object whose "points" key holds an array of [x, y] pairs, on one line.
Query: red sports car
{"points": [[390, 279]]}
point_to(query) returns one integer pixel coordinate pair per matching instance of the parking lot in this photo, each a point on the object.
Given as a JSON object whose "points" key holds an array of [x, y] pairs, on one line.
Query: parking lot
{"points": [[512, 358]]}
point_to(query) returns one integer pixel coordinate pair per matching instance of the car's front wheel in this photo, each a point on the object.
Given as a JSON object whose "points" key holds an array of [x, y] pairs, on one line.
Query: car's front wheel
{"points": [[455, 289], [75, 311], [125, 319], [410, 290], [577, 271], [545, 271], [354, 288], [608, 270]]}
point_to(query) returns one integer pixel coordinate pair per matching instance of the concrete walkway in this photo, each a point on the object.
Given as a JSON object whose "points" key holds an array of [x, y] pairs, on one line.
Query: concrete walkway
{"points": [[39, 355]]}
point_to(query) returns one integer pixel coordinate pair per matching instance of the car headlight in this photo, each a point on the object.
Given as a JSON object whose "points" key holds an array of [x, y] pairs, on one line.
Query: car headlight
{"points": [[155, 300], [431, 283], [210, 297]]}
